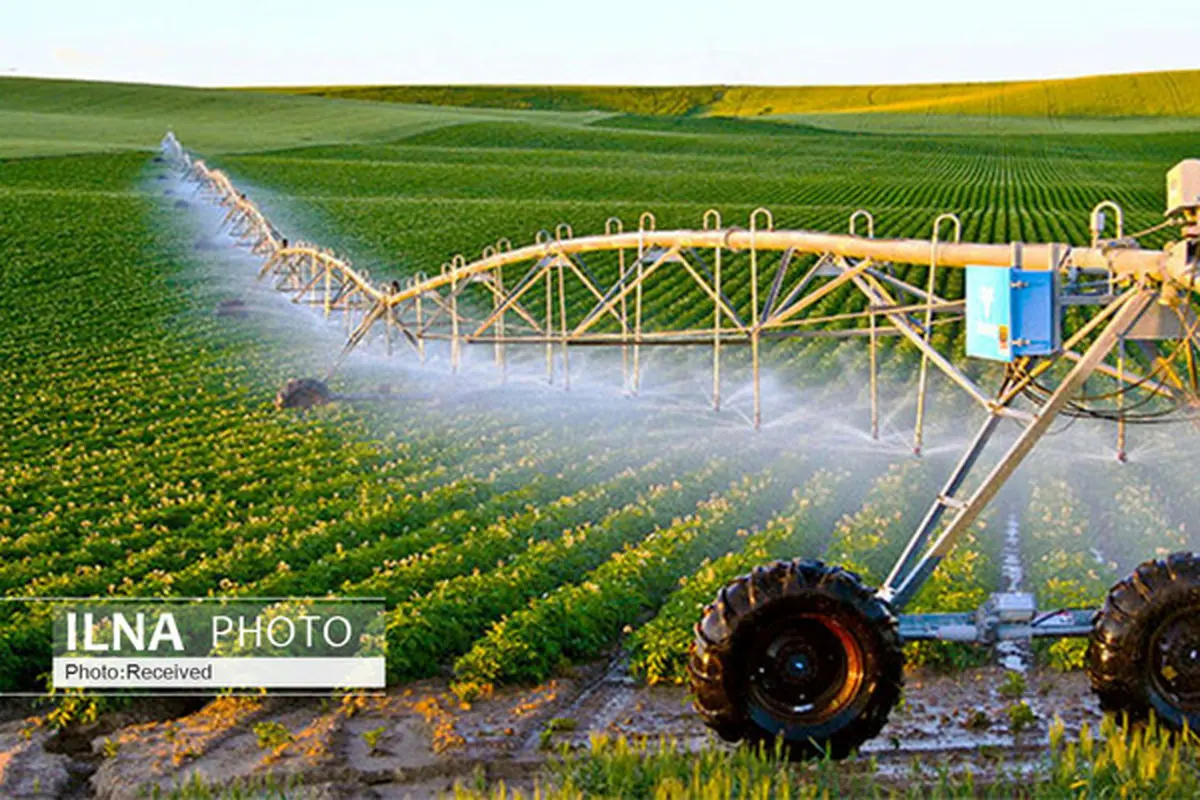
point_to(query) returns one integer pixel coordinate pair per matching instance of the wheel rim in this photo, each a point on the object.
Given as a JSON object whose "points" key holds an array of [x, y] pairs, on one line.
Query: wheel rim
{"points": [[804, 669], [1174, 661]]}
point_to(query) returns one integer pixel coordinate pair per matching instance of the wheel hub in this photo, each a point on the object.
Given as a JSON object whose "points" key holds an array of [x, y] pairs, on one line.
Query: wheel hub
{"points": [[1175, 659], [804, 669]]}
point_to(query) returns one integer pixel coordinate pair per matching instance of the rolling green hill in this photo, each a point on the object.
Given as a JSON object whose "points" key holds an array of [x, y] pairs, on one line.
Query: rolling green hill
{"points": [[43, 117], [48, 117], [1149, 94], [656, 100]]}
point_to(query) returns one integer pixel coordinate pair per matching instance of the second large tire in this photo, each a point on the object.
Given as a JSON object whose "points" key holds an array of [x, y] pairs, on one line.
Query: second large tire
{"points": [[800, 652], [1144, 651]]}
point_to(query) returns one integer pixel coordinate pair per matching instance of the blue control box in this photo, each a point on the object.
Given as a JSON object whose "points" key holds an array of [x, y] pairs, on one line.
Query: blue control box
{"points": [[1012, 313]]}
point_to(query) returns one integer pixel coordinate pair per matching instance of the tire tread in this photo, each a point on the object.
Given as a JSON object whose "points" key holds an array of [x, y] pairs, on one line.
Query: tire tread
{"points": [[1116, 648], [711, 656]]}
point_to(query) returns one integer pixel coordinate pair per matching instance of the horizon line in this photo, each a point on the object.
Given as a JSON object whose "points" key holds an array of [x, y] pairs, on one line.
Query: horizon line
{"points": [[269, 86]]}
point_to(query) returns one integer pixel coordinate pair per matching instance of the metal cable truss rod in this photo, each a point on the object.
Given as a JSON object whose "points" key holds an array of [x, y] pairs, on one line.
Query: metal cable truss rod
{"points": [[292, 260], [848, 256], [843, 272]]}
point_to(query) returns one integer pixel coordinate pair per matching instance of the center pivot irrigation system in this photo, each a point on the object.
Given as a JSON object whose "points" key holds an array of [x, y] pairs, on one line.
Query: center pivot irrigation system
{"points": [[802, 650]]}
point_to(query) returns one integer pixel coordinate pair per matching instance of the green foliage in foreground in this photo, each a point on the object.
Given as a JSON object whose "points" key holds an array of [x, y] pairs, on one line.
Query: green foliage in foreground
{"points": [[196, 788], [1117, 761]]}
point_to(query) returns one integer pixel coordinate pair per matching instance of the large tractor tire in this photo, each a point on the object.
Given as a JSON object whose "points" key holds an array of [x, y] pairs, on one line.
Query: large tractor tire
{"points": [[797, 652], [1144, 651]]}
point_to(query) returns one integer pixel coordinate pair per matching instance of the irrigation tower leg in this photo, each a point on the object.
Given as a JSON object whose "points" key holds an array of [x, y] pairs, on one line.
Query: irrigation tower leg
{"points": [[902, 586], [944, 500]]}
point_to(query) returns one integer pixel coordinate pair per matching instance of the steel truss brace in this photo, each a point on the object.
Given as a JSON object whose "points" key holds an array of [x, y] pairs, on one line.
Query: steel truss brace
{"points": [[910, 573]]}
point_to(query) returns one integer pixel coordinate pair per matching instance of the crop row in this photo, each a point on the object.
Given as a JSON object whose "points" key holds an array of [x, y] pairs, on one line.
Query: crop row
{"points": [[443, 621], [581, 619]]}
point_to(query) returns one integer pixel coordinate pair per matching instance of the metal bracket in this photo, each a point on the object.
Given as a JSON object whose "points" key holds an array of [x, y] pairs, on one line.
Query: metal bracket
{"points": [[1005, 616]]}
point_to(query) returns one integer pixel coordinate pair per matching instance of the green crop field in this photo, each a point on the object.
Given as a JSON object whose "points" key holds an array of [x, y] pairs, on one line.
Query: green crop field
{"points": [[514, 536]]}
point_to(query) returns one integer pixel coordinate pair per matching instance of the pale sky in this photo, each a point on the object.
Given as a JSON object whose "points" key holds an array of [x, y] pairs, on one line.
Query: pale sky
{"points": [[265, 42]]}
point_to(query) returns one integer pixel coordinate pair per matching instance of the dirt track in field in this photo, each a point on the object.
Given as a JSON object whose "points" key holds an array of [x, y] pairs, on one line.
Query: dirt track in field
{"points": [[420, 740]]}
